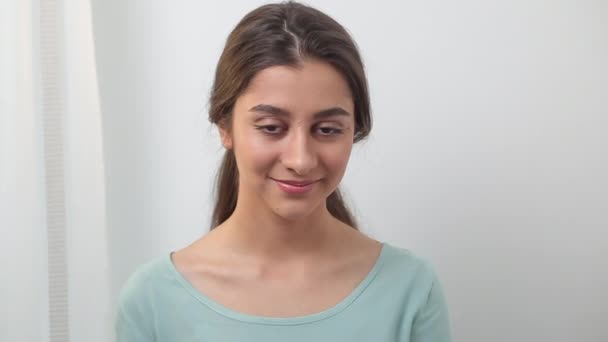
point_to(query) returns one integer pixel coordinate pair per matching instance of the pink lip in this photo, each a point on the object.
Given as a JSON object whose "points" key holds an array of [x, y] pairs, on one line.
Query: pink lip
{"points": [[294, 187]]}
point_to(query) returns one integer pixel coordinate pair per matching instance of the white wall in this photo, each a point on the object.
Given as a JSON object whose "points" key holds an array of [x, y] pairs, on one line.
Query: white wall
{"points": [[488, 154]]}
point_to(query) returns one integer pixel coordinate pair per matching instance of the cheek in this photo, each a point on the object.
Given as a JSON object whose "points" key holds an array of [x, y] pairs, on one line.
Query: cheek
{"points": [[253, 153], [337, 158]]}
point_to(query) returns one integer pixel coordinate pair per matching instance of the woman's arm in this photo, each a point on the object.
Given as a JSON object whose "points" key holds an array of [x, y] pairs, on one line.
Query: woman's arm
{"points": [[431, 323], [128, 330]]}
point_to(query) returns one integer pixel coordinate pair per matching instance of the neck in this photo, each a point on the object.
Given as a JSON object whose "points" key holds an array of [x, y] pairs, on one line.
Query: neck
{"points": [[263, 233]]}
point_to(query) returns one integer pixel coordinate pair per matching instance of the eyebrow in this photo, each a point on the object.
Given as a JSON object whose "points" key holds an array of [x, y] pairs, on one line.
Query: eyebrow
{"points": [[334, 111]]}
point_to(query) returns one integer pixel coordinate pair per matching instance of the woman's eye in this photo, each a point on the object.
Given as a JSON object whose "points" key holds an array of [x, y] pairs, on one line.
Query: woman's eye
{"points": [[270, 129], [276, 130], [329, 130]]}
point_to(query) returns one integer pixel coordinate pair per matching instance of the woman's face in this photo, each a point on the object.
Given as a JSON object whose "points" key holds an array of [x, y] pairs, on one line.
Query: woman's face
{"points": [[292, 135]]}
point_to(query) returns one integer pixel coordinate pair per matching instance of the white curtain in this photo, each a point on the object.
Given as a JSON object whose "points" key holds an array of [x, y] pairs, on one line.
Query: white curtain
{"points": [[53, 249]]}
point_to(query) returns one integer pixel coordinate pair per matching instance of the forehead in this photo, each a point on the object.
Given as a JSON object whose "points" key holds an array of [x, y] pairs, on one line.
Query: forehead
{"points": [[308, 88]]}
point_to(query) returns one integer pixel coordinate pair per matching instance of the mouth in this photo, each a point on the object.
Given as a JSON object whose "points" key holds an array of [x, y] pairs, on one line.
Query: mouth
{"points": [[294, 183], [295, 187]]}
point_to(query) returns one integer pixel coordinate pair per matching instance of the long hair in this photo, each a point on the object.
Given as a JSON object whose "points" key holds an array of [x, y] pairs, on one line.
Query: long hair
{"points": [[282, 34]]}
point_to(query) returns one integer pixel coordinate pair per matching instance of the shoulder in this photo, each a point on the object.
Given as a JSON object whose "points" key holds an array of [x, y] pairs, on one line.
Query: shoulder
{"points": [[418, 285], [139, 300], [407, 263], [405, 269], [145, 283]]}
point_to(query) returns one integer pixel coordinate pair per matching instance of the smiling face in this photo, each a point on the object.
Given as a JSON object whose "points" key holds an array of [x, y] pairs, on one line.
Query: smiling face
{"points": [[292, 134]]}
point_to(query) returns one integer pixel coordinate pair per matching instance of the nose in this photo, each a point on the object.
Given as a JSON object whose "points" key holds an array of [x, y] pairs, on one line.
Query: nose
{"points": [[299, 155]]}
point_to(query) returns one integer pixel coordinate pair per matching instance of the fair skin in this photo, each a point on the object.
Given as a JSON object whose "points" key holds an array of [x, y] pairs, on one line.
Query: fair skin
{"points": [[281, 253]]}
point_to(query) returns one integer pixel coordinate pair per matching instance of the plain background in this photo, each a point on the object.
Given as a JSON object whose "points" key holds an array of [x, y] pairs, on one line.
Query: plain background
{"points": [[488, 155]]}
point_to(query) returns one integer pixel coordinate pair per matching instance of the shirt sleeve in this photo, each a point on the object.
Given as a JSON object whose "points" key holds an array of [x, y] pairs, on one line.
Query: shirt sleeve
{"points": [[431, 323], [134, 320], [127, 330]]}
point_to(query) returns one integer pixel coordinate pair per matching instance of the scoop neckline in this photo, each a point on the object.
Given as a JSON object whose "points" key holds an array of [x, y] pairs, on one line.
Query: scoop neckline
{"points": [[272, 320]]}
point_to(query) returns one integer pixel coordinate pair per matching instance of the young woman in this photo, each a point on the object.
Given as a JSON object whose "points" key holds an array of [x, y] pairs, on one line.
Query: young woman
{"points": [[284, 260]]}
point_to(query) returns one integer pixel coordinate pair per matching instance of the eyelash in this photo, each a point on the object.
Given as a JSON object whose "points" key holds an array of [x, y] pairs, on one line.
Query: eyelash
{"points": [[264, 129]]}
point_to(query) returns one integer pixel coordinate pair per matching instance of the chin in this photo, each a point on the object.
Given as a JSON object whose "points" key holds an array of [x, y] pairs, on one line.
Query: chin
{"points": [[294, 208], [294, 212]]}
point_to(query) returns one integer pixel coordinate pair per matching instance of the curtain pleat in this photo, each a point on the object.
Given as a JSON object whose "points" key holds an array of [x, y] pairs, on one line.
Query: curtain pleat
{"points": [[53, 108]]}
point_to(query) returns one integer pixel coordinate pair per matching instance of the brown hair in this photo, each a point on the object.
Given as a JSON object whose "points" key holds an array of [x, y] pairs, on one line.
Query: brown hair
{"points": [[282, 34]]}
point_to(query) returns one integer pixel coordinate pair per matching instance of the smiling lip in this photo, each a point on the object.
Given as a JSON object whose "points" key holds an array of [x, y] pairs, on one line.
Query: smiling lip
{"points": [[296, 183], [294, 187]]}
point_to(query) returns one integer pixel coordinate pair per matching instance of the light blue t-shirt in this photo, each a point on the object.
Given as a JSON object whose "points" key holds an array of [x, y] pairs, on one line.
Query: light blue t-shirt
{"points": [[400, 299]]}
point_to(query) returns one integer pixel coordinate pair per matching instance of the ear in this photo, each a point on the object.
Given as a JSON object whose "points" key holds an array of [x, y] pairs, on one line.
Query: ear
{"points": [[225, 136]]}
